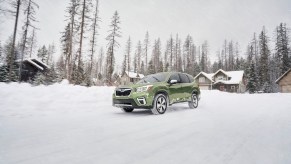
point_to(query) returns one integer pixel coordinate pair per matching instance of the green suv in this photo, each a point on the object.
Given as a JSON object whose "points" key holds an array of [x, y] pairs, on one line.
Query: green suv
{"points": [[158, 91]]}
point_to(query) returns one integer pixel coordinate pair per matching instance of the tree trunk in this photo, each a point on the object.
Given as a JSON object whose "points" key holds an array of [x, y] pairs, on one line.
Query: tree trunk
{"points": [[14, 39], [81, 37]]}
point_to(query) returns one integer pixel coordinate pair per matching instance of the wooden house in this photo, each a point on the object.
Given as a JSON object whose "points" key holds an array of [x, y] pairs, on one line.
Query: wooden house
{"points": [[285, 82], [30, 67], [130, 77]]}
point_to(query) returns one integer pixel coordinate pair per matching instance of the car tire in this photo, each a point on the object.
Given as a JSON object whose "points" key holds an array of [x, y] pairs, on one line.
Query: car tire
{"points": [[160, 104], [127, 110], [194, 101]]}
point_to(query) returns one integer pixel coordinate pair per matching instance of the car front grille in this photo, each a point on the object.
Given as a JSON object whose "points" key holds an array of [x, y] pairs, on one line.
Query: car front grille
{"points": [[122, 91]]}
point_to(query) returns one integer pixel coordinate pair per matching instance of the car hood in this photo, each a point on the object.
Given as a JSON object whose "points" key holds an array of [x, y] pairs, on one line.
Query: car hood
{"points": [[139, 85]]}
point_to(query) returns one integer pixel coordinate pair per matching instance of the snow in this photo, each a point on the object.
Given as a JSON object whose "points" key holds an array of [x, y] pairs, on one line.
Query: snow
{"points": [[134, 75], [70, 124]]}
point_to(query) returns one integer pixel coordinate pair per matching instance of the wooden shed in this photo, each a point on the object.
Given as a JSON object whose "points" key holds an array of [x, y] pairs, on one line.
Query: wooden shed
{"points": [[285, 82]]}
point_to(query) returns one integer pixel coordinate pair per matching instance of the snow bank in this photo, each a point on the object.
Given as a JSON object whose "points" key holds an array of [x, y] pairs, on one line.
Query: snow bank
{"points": [[74, 124]]}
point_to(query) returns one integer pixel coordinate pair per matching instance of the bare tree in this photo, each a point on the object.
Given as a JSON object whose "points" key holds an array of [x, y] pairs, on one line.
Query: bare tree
{"points": [[112, 44], [70, 32], [86, 4], [146, 48], [94, 27], [32, 42], [128, 52], [30, 18], [16, 6]]}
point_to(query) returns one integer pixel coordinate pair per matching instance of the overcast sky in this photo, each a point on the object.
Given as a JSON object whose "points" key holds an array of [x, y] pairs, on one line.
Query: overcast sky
{"points": [[211, 20]]}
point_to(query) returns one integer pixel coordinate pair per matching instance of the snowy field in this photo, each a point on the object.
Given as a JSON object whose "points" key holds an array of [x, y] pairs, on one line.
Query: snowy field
{"points": [[64, 124]]}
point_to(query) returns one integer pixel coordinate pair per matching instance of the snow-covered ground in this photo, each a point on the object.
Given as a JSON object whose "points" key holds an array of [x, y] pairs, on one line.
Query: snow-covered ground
{"points": [[64, 124]]}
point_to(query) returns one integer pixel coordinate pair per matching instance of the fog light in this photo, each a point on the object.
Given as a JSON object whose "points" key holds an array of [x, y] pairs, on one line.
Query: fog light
{"points": [[141, 100]]}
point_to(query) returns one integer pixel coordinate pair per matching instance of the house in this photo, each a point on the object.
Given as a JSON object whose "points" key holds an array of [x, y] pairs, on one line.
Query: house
{"points": [[130, 77], [205, 81], [30, 67], [229, 81], [285, 82]]}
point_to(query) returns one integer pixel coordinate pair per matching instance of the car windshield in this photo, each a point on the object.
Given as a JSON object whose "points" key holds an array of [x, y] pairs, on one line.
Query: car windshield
{"points": [[153, 78]]}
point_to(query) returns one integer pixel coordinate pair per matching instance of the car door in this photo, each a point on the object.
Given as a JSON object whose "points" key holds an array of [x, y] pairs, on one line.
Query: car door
{"points": [[186, 86], [174, 89]]}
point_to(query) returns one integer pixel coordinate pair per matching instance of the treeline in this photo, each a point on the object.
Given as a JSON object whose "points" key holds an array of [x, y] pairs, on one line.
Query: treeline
{"points": [[83, 62]]}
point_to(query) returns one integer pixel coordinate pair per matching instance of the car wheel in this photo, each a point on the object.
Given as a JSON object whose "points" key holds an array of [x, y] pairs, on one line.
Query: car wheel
{"points": [[127, 110], [194, 101], [160, 104]]}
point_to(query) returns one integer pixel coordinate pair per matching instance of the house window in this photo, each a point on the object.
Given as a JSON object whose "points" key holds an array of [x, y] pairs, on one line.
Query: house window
{"points": [[201, 79], [220, 77], [221, 88]]}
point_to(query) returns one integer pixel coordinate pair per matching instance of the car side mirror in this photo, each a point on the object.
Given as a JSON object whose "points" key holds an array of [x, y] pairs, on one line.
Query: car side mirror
{"points": [[173, 82]]}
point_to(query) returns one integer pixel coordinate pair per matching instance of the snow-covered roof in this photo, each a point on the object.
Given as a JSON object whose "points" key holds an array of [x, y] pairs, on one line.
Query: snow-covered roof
{"points": [[208, 76], [39, 61], [220, 70], [236, 77], [35, 62], [283, 75], [134, 75]]}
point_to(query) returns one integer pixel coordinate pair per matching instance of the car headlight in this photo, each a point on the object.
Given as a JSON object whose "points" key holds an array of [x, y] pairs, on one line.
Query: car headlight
{"points": [[144, 88]]}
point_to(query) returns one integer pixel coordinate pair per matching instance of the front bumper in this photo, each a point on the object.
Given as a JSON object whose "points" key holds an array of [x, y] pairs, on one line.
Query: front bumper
{"points": [[134, 100], [127, 103]]}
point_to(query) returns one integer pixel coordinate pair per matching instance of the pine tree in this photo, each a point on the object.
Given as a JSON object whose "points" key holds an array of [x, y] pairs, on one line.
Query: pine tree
{"points": [[282, 48], [146, 45], [10, 60], [151, 68], [252, 78], [112, 44], [61, 69], [187, 54], [178, 58], [4, 73], [123, 66], [170, 50], [1, 54], [128, 52], [231, 56], [138, 56], [50, 53], [42, 54], [100, 61], [142, 68], [264, 77], [156, 54], [160, 67], [204, 58], [51, 74], [39, 79]]}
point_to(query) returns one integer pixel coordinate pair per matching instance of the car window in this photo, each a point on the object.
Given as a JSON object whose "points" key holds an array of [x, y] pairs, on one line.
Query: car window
{"points": [[184, 78], [175, 76], [158, 77], [191, 79]]}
